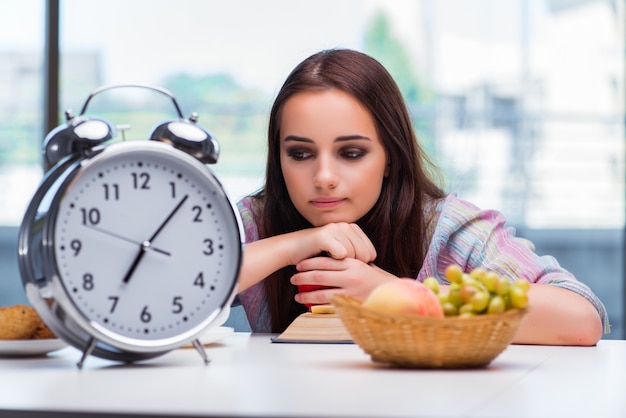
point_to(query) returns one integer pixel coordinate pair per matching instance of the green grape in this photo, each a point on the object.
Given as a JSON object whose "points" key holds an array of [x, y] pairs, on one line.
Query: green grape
{"points": [[449, 309], [467, 291], [477, 273], [480, 301], [496, 305], [518, 297], [466, 308], [454, 273], [489, 280], [502, 286], [467, 279], [523, 284], [443, 298], [432, 284], [454, 294]]}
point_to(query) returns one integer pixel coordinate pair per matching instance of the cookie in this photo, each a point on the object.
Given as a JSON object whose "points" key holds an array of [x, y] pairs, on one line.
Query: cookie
{"points": [[18, 322]]}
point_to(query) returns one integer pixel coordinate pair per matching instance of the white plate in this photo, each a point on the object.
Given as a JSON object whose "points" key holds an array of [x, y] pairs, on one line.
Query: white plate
{"points": [[213, 335], [30, 348]]}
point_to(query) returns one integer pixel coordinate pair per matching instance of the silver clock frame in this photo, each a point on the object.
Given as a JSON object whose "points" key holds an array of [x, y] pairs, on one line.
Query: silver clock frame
{"points": [[42, 279], [40, 274]]}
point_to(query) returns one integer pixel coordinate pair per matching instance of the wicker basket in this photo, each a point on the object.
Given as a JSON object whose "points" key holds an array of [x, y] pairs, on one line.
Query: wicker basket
{"points": [[421, 342]]}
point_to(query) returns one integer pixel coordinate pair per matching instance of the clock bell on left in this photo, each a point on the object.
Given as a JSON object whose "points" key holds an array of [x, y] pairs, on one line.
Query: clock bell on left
{"points": [[130, 249]]}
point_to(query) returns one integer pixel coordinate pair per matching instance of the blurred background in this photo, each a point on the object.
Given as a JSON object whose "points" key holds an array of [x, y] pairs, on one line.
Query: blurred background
{"points": [[521, 102]]}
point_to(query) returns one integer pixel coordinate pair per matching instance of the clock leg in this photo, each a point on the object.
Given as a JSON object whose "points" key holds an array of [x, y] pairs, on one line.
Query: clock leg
{"points": [[200, 349], [88, 350]]}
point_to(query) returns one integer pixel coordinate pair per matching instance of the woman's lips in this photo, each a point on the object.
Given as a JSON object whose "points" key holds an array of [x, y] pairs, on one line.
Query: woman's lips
{"points": [[326, 202]]}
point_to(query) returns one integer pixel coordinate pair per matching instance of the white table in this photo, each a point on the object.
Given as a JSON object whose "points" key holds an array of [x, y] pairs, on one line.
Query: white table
{"points": [[250, 376]]}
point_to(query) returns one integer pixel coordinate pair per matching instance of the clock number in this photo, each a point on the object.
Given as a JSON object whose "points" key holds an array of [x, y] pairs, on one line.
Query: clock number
{"points": [[88, 281], [198, 210], [177, 306], [145, 315], [208, 246], [112, 190], [114, 299], [141, 180], [199, 281], [90, 216], [76, 246], [173, 186]]}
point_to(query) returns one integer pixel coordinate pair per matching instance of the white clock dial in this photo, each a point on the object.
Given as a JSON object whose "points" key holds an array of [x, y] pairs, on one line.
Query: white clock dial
{"points": [[144, 244]]}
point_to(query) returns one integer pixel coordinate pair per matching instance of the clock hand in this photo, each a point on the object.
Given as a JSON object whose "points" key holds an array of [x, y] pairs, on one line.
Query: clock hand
{"points": [[113, 234], [147, 244], [136, 261], [170, 216]]}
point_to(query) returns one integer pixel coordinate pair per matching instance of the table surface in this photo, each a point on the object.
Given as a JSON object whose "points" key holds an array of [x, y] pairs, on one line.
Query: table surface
{"points": [[250, 376]]}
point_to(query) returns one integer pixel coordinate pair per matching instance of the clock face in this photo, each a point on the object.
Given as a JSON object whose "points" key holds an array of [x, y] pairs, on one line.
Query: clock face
{"points": [[146, 243]]}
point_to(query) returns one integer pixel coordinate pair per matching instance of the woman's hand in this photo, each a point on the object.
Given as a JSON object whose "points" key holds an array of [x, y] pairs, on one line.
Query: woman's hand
{"points": [[347, 276], [338, 240]]}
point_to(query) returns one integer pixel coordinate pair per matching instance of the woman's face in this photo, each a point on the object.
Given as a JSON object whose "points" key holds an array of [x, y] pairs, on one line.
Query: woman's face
{"points": [[332, 159]]}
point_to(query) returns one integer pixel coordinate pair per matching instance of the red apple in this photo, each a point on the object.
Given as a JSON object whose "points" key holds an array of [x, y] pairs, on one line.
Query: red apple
{"points": [[309, 288], [404, 297]]}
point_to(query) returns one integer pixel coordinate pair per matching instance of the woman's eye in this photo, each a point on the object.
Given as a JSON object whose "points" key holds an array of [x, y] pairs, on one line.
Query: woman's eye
{"points": [[298, 154], [353, 153]]}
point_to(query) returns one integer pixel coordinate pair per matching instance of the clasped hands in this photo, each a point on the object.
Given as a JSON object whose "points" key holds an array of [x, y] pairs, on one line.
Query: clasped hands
{"points": [[346, 266]]}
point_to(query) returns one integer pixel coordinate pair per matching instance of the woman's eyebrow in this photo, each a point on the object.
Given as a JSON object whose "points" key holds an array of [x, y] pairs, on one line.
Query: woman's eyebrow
{"points": [[296, 138], [352, 137]]}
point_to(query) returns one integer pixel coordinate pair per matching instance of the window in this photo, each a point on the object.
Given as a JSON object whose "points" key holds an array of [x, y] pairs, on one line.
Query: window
{"points": [[496, 89], [21, 129]]}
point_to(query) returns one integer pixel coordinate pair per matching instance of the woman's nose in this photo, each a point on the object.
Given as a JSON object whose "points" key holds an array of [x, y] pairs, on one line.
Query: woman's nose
{"points": [[325, 174]]}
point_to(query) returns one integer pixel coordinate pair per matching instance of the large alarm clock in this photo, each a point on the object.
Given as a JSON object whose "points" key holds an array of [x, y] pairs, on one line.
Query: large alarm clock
{"points": [[130, 249]]}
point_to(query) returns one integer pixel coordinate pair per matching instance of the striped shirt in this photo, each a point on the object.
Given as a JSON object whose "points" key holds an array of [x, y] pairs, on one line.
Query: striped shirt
{"points": [[464, 235]]}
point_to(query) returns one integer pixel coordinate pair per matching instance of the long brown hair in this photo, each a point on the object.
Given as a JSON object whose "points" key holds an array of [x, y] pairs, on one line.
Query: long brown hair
{"points": [[396, 224]]}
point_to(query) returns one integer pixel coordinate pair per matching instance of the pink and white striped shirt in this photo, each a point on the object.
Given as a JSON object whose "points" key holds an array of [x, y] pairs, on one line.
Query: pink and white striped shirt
{"points": [[464, 235]]}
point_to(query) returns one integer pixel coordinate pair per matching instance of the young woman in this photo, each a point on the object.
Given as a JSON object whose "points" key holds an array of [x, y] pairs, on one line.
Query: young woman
{"points": [[349, 202]]}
